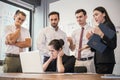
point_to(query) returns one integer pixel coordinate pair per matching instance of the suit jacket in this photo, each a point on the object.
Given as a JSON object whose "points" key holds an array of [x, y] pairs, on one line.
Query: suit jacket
{"points": [[108, 55]]}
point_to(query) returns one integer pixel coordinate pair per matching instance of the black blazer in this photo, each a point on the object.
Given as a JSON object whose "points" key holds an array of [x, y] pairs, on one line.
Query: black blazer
{"points": [[108, 55]]}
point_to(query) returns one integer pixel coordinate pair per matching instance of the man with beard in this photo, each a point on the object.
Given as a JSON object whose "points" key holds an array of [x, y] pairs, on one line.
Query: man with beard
{"points": [[50, 33]]}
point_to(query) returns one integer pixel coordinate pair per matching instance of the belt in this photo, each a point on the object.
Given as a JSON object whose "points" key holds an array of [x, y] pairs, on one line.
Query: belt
{"points": [[85, 59], [12, 55]]}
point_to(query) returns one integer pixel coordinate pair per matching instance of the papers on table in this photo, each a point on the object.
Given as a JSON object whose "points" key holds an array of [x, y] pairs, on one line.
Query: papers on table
{"points": [[110, 76]]}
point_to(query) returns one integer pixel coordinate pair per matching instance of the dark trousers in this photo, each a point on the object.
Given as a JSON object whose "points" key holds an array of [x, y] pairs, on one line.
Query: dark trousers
{"points": [[104, 68], [80, 69]]}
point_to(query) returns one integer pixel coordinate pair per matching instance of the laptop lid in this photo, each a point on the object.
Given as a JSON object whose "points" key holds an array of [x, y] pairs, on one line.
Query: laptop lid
{"points": [[31, 62]]}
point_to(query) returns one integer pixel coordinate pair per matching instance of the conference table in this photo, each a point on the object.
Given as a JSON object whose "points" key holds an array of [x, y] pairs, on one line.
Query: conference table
{"points": [[53, 76]]}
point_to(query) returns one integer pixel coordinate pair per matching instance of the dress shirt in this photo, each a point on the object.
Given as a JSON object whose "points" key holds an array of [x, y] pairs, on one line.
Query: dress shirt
{"points": [[76, 38], [47, 35], [23, 35]]}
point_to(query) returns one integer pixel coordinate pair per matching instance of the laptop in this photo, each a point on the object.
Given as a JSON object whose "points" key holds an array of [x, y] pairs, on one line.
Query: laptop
{"points": [[31, 62]]}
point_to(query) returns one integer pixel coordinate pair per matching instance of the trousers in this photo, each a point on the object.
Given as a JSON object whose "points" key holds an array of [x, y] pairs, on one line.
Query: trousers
{"points": [[89, 64], [12, 64]]}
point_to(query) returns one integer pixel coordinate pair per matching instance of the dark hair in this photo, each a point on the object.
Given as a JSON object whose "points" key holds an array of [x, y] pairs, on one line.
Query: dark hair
{"points": [[81, 10], [53, 13], [16, 13], [57, 44], [19, 12], [103, 10]]}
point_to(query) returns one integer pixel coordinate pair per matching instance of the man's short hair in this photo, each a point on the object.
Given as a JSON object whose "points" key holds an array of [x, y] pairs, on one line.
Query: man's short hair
{"points": [[80, 10], [20, 12], [52, 13]]}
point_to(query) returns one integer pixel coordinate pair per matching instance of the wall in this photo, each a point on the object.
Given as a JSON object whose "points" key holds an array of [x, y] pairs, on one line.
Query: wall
{"points": [[67, 10], [38, 24], [39, 21]]}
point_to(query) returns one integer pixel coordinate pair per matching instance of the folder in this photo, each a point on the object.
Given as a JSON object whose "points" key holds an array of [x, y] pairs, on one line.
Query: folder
{"points": [[96, 44], [107, 31]]}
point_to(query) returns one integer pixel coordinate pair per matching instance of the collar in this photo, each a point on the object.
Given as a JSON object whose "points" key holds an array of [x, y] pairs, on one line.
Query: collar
{"points": [[54, 28], [85, 26]]}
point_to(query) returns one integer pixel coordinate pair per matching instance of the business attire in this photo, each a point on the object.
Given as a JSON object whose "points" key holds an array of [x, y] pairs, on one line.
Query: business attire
{"points": [[12, 60], [104, 62], [87, 56], [68, 62], [47, 35]]}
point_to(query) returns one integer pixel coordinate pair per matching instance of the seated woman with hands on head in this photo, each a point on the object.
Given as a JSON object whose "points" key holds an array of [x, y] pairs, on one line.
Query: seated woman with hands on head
{"points": [[58, 61]]}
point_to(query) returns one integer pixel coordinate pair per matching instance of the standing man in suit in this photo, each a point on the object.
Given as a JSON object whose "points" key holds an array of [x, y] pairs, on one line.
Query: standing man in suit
{"points": [[50, 33], [17, 38], [79, 44], [105, 61]]}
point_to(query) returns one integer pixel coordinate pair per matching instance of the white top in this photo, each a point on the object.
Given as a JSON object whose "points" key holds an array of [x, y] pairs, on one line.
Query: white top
{"points": [[23, 35], [46, 36], [76, 38]]}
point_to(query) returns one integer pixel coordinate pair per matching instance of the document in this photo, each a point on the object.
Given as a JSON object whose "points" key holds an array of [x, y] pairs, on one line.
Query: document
{"points": [[110, 76], [95, 43]]}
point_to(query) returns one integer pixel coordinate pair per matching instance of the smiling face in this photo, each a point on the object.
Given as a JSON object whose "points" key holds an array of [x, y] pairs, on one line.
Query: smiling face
{"points": [[53, 52], [99, 16], [19, 19]]}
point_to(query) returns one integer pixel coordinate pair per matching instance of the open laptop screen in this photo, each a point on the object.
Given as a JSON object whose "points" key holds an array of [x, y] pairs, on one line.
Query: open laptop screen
{"points": [[31, 62]]}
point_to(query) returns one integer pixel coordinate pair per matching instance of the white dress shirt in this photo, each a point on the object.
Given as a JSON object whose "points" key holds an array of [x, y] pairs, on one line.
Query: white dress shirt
{"points": [[23, 35], [47, 35], [76, 38]]}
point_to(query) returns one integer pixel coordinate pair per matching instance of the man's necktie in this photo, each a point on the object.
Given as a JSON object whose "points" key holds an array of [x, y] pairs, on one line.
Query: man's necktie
{"points": [[80, 43]]}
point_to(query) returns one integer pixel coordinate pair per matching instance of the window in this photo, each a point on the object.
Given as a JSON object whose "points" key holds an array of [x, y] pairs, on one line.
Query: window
{"points": [[7, 12]]}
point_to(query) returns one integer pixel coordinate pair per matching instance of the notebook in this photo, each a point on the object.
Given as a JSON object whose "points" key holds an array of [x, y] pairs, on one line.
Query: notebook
{"points": [[31, 62]]}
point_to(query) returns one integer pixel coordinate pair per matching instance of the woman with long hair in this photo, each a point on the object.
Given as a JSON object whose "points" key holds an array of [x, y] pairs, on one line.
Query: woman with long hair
{"points": [[105, 61]]}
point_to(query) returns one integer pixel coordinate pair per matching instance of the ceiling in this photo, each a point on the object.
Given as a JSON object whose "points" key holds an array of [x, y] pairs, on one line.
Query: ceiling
{"points": [[33, 2]]}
